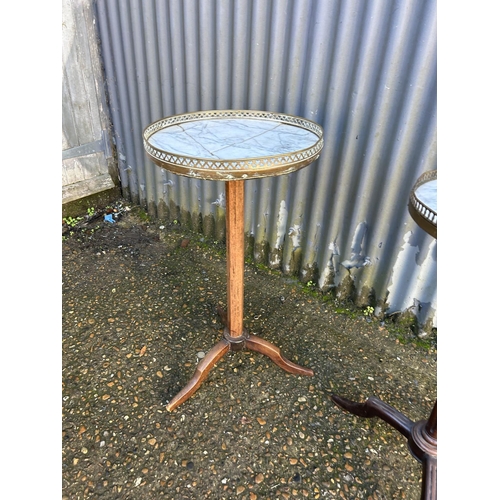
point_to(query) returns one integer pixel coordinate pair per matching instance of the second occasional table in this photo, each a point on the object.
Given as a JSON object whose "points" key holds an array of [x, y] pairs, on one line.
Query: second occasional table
{"points": [[233, 146], [421, 435]]}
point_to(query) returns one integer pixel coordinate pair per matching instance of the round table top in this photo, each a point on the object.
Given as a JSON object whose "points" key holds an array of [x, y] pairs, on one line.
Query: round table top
{"points": [[230, 145], [423, 202]]}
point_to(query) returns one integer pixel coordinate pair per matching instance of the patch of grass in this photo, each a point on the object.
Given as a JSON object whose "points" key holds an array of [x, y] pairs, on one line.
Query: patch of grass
{"points": [[309, 288], [347, 311], [209, 245], [405, 329], [406, 339], [263, 268], [143, 215]]}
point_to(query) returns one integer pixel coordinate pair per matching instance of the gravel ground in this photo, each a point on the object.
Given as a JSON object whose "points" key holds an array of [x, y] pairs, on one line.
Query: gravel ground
{"points": [[139, 311]]}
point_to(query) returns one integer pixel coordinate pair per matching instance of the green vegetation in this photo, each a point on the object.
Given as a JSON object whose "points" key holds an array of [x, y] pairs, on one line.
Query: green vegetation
{"points": [[72, 221], [143, 215], [368, 311]]}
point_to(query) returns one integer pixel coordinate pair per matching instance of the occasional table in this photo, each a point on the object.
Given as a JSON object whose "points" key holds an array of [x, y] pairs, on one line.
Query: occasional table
{"points": [[421, 435], [233, 146]]}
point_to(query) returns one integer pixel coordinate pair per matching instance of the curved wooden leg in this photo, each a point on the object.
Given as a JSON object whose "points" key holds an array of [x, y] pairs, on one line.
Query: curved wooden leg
{"points": [[258, 344], [422, 435], [374, 407], [201, 373]]}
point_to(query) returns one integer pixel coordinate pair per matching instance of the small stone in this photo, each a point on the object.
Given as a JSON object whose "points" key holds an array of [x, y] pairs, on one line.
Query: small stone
{"points": [[348, 467], [240, 489], [259, 478], [200, 354], [293, 461], [261, 421], [253, 496], [106, 396], [84, 450], [302, 399], [152, 441]]}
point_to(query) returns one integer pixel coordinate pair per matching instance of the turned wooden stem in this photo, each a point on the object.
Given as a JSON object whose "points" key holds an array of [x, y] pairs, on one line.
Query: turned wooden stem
{"points": [[235, 336], [235, 244], [431, 426]]}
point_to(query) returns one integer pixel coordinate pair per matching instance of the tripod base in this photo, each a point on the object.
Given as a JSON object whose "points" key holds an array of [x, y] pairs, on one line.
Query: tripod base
{"points": [[228, 342], [422, 435]]}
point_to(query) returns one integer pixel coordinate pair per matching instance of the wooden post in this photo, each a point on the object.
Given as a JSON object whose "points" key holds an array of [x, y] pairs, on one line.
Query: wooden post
{"points": [[235, 244]]}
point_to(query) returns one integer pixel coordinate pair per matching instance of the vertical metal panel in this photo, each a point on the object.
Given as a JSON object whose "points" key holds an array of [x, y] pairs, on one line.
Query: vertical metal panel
{"points": [[365, 71]]}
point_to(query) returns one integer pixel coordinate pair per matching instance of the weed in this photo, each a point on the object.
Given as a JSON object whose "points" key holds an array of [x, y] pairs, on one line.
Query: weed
{"points": [[368, 311], [72, 221]]}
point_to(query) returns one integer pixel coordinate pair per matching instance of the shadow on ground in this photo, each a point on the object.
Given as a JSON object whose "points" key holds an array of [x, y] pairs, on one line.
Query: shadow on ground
{"points": [[139, 312]]}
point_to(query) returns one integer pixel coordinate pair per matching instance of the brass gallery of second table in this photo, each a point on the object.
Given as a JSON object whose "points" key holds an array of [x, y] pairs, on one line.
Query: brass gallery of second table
{"points": [[233, 146]]}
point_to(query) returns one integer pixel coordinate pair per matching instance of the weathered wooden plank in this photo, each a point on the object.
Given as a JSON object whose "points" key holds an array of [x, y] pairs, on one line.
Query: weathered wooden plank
{"points": [[85, 188], [89, 62], [69, 127], [76, 64], [85, 124], [84, 176], [87, 166]]}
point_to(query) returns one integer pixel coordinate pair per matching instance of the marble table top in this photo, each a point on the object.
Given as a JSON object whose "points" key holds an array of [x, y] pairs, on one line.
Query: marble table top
{"points": [[427, 194], [231, 144]]}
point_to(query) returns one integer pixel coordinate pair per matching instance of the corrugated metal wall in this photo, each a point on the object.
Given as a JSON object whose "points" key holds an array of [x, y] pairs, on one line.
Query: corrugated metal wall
{"points": [[363, 70]]}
